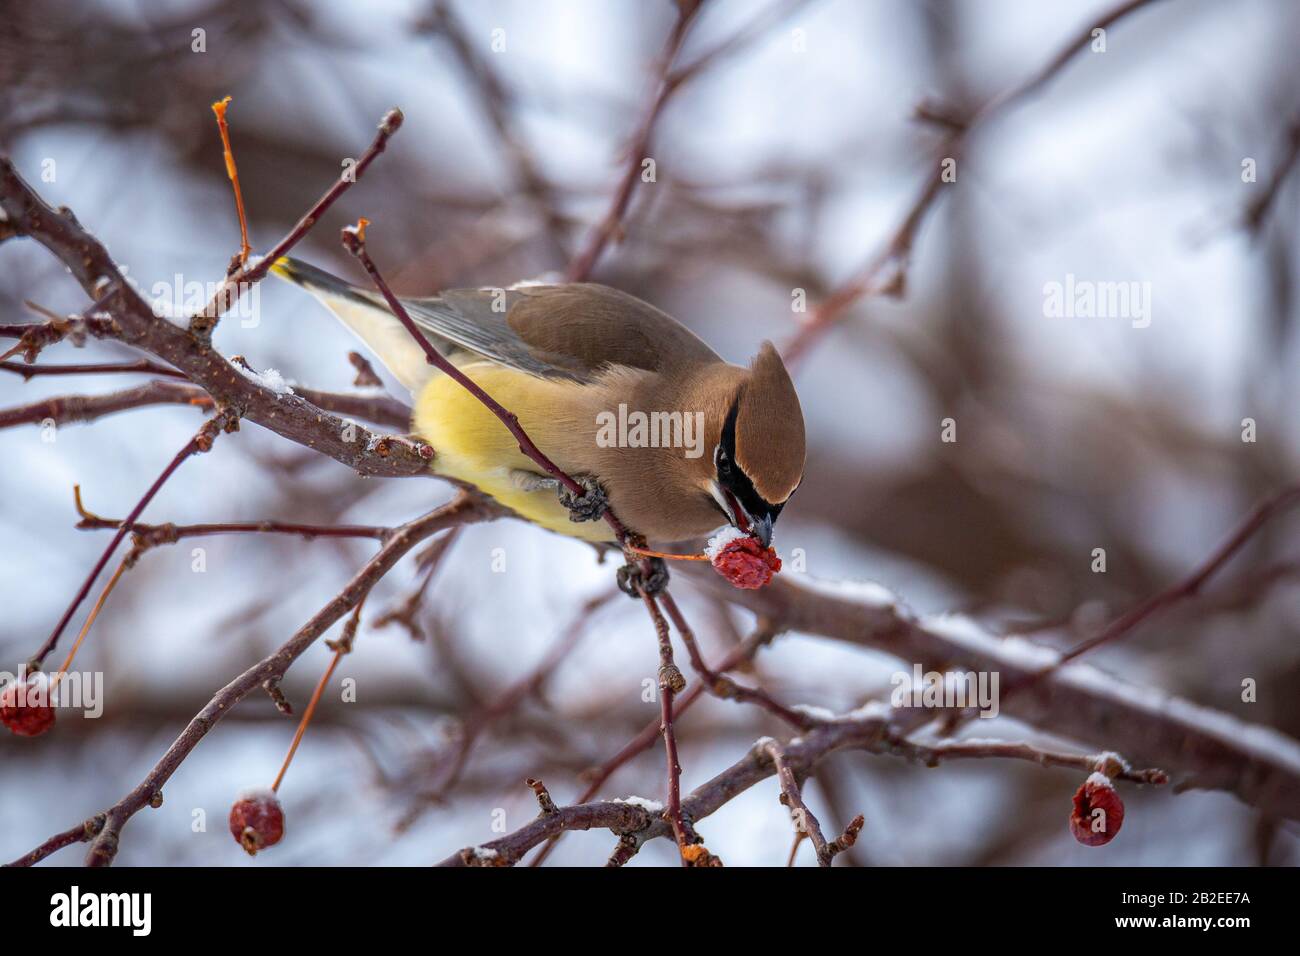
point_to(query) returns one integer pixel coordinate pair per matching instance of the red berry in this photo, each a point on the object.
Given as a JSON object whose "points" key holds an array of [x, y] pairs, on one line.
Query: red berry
{"points": [[25, 707], [257, 820], [1098, 811], [746, 563]]}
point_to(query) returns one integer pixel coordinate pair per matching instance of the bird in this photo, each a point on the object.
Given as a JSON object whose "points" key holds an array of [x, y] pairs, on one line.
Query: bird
{"points": [[633, 405]]}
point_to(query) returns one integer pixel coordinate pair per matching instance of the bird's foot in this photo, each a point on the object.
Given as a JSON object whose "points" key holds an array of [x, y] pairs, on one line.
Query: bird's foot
{"points": [[634, 581], [589, 506]]}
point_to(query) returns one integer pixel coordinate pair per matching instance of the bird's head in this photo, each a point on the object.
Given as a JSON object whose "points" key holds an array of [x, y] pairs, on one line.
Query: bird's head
{"points": [[759, 457]]}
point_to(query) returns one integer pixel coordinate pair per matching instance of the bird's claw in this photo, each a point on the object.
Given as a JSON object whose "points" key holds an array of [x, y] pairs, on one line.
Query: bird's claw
{"points": [[634, 582], [589, 506]]}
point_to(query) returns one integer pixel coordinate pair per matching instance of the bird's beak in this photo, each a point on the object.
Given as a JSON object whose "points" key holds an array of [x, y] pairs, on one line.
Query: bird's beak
{"points": [[741, 519]]}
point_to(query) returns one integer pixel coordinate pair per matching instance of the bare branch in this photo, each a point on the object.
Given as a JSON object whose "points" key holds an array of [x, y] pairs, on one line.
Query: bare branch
{"points": [[134, 322], [143, 366], [800, 755], [1192, 584], [885, 272], [155, 534], [1257, 212], [66, 409], [763, 635], [497, 103], [934, 754], [804, 821], [580, 267], [204, 322], [1200, 747], [465, 509], [200, 443]]}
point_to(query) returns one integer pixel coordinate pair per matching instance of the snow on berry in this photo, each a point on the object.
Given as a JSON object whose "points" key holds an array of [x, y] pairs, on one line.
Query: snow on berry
{"points": [[720, 540], [257, 820], [1098, 811], [26, 708], [742, 559]]}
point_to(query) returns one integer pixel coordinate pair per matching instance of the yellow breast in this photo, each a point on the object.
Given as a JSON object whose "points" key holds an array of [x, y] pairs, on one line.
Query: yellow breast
{"points": [[472, 445]]}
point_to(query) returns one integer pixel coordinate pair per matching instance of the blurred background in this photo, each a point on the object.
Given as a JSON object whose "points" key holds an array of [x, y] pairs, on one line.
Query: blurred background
{"points": [[785, 164]]}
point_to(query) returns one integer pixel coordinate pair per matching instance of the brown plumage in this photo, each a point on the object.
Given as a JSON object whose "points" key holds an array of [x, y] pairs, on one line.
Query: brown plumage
{"points": [[573, 361]]}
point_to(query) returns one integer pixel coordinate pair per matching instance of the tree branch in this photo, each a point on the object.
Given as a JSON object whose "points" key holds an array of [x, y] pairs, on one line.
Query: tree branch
{"points": [[800, 756], [204, 322], [199, 444], [886, 270], [1200, 747], [134, 322], [143, 366], [580, 267], [66, 409], [465, 509]]}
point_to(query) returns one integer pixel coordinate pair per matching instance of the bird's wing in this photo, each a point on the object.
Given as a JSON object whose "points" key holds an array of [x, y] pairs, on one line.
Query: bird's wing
{"points": [[568, 331]]}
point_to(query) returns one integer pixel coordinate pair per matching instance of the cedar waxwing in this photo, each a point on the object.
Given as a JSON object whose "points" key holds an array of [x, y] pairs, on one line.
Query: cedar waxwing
{"points": [[619, 395]]}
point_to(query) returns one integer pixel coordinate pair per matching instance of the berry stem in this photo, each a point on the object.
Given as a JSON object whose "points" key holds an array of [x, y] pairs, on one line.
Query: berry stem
{"points": [[219, 108], [342, 647], [90, 620], [649, 553]]}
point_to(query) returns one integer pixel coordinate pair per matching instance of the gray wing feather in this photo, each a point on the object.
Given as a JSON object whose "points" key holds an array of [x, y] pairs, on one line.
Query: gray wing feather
{"points": [[475, 320]]}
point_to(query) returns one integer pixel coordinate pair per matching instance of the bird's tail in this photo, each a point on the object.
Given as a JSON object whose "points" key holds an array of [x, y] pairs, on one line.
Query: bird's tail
{"points": [[367, 315]]}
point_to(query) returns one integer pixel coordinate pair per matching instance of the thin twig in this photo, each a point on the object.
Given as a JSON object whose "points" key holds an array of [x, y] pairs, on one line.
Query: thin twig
{"points": [[479, 722], [90, 621], [932, 754], [341, 647], [219, 108], [1258, 210], [67, 409], [722, 686], [167, 533], [580, 267], [805, 821], [671, 682], [762, 635], [885, 272], [200, 443], [800, 755], [406, 613], [775, 13], [1192, 584], [465, 509], [142, 366], [33, 337], [202, 323]]}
